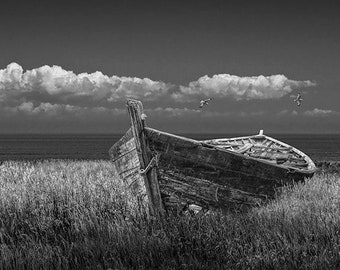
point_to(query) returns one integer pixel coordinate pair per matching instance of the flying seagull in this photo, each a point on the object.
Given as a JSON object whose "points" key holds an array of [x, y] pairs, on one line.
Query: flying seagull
{"points": [[204, 102], [298, 99]]}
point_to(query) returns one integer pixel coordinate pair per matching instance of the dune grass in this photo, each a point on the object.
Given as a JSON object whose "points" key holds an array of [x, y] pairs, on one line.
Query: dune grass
{"points": [[74, 215]]}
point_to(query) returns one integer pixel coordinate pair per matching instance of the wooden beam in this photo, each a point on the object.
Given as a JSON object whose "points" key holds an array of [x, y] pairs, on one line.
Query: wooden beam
{"points": [[135, 109]]}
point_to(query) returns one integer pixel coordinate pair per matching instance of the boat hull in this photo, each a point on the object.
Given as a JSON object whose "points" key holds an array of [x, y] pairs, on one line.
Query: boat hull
{"points": [[163, 171], [193, 172]]}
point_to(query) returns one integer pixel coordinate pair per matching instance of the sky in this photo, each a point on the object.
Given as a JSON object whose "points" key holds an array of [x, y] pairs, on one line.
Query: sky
{"points": [[68, 67]]}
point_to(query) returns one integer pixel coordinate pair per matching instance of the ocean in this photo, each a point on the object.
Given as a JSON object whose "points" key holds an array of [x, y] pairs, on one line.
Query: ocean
{"points": [[96, 146]]}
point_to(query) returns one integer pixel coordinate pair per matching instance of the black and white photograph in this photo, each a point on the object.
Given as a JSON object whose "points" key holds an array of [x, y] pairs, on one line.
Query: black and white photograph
{"points": [[169, 134]]}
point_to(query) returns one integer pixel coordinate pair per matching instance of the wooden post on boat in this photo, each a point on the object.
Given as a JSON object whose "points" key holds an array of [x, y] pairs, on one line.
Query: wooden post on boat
{"points": [[148, 170]]}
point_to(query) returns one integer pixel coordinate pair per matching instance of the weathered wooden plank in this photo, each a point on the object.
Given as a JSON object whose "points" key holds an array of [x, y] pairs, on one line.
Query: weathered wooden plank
{"points": [[124, 145], [125, 159], [135, 109], [205, 193], [217, 175]]}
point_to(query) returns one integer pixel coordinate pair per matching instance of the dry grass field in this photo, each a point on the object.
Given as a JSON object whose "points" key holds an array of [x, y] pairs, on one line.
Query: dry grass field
{"points": [[63, 214]]}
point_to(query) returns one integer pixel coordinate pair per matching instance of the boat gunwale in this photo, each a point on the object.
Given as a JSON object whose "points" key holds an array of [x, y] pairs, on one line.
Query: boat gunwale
{"points": [[203, 143], [308, 159]]}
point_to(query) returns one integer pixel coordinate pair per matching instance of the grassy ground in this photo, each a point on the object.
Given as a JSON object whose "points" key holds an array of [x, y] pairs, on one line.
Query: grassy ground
{"points": [[74, 215]]}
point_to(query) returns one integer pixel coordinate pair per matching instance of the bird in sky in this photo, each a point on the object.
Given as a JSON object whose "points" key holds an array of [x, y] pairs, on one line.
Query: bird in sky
{"points": [[204, 102], [298, 99]]}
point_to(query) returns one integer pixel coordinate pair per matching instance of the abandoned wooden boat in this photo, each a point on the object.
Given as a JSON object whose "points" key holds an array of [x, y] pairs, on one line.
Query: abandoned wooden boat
{"points": [[164, 170]]}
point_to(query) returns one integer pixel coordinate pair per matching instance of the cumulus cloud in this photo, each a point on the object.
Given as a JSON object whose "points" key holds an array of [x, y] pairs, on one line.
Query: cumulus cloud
{"points": [[47, 109], [240, 88], [315, 112], [233, 114], [320, 112], [173, 112], [287, 112], [55, 85], [179, 112], [54, 91]]}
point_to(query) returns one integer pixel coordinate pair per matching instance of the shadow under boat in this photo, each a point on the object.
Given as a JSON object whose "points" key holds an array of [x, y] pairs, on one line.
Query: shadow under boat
{"points": [[165, 171]]}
